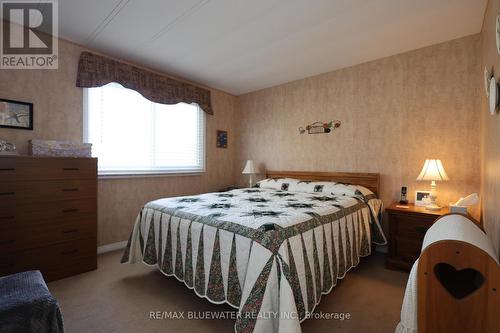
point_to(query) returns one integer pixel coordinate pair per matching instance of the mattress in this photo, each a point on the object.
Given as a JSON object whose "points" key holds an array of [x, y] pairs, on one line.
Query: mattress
{"points": [[270, 252]]}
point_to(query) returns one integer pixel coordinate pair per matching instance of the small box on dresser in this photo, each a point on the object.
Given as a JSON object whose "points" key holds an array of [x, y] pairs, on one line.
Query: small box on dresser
{"points": [[407, 228], [48, 215]]}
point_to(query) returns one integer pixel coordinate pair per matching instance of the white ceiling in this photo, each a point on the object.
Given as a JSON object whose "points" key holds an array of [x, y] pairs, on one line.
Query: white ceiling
{"points": [[244, 45]]}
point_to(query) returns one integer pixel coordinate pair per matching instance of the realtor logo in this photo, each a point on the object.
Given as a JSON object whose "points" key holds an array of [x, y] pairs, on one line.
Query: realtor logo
{"points": [[29, 35]]}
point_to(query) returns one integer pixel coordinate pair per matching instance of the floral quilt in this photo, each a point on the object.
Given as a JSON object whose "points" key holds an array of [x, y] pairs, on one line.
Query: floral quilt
{"points": [[271, 251]]}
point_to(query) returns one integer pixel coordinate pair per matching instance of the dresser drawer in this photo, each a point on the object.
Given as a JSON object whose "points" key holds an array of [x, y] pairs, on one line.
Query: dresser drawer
{"points": [[54, 261], [25, 192], [412, 227], [41, 168], [20, 239], [29, 215], [48, 215], [408, 249], [407, 227]]}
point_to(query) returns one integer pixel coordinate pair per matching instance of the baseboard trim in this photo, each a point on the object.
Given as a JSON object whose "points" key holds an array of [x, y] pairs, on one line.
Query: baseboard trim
{"points": [[111, 247]]}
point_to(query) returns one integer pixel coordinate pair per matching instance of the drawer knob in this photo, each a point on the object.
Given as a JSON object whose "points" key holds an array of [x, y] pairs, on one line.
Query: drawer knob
{"points": [[71, 169], [70, 231], [71, 210], [7, 193], [69, 252], [7, 169], [70, 189], [8, 217]]}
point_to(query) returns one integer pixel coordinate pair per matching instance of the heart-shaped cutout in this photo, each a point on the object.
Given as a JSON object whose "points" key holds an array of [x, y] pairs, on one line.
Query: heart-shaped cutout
{"points": [[459, 283]]}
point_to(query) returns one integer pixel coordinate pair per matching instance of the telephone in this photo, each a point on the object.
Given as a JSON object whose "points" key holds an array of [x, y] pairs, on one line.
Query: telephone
{"points": [[404, 199]]}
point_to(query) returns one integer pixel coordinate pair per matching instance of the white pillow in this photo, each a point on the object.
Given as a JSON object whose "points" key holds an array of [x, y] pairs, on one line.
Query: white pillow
{"points": [[350, 190], [278, 183], [330, 188], [364, 191], [313, 187], [297, 185]]}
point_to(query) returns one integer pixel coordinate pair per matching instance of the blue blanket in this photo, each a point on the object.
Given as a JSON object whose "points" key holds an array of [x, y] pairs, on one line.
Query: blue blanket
{"points": [[26, 305]]}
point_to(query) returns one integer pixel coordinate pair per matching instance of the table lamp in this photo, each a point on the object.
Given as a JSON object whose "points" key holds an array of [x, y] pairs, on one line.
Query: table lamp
{"points": [[433, 170], [249, 170]]}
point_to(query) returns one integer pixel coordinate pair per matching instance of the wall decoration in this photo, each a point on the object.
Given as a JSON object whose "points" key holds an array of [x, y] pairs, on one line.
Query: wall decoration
{"points": [[493, 102], [320, 128], [221, 139], [15, 114], [497, 30], [487, 77]]}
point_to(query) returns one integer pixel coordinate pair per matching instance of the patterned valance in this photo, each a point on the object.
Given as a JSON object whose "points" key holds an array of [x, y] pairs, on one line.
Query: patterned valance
{"points": [[96, 71]]}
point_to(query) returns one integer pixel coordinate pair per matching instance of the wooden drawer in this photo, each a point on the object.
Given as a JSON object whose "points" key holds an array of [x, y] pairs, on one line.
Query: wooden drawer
{"points": [[54, 261], [407, 227], [24, 192], [411, 227], [20, 239], [46, 168], [48, 215], [407, 249], [28, 215]]}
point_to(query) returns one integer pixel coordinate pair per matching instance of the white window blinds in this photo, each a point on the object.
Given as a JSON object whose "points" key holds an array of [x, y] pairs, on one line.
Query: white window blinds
{"points": [[132, 135]]}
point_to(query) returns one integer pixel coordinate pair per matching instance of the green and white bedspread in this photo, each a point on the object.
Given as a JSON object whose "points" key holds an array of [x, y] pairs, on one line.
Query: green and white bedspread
{"points": [[269, 252]]}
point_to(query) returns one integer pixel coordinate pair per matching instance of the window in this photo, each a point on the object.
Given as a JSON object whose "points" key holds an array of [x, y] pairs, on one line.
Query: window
{"points": [[132, 135]]}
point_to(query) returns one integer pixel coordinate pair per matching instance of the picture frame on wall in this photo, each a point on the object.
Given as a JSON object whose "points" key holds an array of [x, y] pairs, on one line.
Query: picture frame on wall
{"points": [[16, 114], [221, 139], [420, 198]]}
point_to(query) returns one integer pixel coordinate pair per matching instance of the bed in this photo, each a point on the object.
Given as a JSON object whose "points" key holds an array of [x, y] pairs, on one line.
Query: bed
{"points": [[270, 251]]}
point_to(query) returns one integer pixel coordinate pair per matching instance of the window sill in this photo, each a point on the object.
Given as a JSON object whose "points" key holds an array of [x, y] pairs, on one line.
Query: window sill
{"points": [[155, 174]]}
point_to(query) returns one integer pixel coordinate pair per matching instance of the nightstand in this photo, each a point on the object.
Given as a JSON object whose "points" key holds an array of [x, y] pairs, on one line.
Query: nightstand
{"points": [[407, 228]]}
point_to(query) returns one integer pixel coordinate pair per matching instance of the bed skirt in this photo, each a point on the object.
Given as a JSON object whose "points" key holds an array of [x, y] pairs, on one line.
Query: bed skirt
{"points": [[275, 278]]}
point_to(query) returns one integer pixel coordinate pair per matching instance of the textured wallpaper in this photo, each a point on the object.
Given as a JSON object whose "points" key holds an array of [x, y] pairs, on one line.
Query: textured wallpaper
{"points": [[490, 130], [58, 116], [395, 113]]}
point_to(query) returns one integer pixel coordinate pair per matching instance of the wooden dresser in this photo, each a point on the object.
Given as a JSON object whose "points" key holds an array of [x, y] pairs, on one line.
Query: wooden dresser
{"points": [[407, 228], [48, 215]]}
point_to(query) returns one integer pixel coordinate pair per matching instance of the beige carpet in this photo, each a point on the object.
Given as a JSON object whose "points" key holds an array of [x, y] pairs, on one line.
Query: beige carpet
{"points": [[119, 298]]}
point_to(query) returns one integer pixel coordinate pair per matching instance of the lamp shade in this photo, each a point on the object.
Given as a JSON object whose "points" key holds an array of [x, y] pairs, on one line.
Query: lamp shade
{"points": [[432, 170], [249, 168]]}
